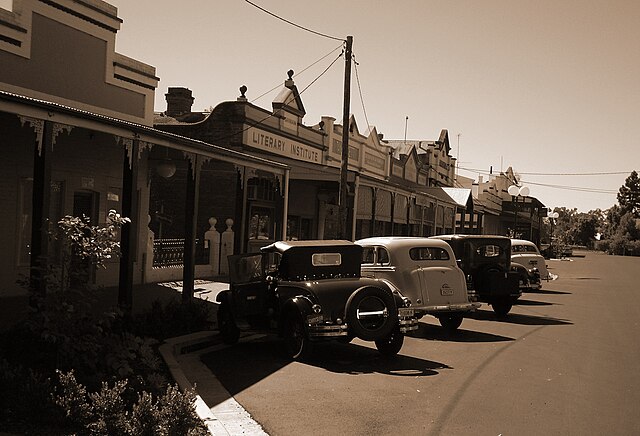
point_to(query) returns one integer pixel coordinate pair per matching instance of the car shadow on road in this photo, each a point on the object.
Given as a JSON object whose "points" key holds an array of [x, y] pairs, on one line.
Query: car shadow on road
{"points": [[517, 318], [437, 333], [522, 302], [242, 365], [357, 359], [547, 291]]}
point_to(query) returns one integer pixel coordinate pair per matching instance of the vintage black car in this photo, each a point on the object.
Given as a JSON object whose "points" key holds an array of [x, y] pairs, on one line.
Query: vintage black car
{"points": [[308, 291], [486, 262]]}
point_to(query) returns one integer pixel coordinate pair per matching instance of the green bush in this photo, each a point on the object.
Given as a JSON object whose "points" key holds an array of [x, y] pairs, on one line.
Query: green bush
{"points": [[106, 413]]}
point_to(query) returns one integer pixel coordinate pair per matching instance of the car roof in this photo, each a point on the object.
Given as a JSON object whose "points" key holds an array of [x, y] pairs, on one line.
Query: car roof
{"points": [[403, 241], [522, 241], [462, 236], [283, 246]]}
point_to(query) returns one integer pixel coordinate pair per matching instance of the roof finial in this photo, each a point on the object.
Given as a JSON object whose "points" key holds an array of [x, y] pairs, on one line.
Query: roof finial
{"points": [[243, 90], [289, 82]]}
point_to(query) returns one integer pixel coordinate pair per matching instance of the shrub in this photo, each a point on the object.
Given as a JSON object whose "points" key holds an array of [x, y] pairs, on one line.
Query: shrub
{"points": [[106, 413], [107, 376]]}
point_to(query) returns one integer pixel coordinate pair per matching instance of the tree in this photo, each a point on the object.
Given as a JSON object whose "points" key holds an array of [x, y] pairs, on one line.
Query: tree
{"points": [[583, 228], [629, 195]]}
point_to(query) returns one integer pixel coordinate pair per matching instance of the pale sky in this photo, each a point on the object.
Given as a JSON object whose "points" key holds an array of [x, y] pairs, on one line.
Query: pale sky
{"points": [[551, 86]]}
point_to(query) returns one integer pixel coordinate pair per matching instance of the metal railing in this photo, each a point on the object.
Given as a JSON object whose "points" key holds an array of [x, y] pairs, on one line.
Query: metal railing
{"points": [[170, 253]]}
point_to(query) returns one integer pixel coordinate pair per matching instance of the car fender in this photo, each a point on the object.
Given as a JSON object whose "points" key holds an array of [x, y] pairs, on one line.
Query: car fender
{"points": [[300, 304], [223, 296]]}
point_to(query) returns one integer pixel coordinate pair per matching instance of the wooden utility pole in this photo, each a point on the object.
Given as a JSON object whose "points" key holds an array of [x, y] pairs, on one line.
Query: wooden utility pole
{"points": [[343, 200]]}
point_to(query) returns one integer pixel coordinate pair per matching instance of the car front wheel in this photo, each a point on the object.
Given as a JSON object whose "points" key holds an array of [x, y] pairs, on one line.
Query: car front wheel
{"points": [[296, 340], [502, 308], [451, 322], [391, 345]]}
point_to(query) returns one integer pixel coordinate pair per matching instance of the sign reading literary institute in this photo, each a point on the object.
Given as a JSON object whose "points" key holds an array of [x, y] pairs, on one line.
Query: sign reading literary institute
{"points": [[280, 145]]}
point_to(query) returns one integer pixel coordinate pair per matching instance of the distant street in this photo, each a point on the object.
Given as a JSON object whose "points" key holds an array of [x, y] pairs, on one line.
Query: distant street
{"points": [[565, 362]]}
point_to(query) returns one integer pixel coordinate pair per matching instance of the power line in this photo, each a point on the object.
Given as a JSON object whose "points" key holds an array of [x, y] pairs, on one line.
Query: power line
{"points": [[292, 23], [572, 188], [548, 185], [475, 170], [364, 109], [301, 71], [286, 102]]}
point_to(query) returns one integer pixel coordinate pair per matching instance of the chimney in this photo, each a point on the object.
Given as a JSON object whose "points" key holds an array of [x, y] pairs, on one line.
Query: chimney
{"points": [[179, 101]]}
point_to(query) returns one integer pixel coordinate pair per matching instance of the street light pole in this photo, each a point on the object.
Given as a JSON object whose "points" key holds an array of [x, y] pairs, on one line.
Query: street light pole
{"points": [[517, 191], [552, 220]]}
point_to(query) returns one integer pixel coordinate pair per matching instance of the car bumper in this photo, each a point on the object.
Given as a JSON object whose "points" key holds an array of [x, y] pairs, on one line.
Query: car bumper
{"points": [[462, 307], [407, 321]]}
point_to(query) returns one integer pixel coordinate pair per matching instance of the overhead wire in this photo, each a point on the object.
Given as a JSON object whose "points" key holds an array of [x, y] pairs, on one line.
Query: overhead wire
{"points": [[300, 72], [286, 102], [294, 24], [549, 185], [610, 173], [364, 109]]}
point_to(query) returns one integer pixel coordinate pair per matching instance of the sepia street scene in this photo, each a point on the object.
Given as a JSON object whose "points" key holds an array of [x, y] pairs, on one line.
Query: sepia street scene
{"points": [[280, 217]]}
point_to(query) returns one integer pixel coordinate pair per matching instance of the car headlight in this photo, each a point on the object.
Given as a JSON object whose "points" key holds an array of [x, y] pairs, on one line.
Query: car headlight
{"points": [[316, 308]]}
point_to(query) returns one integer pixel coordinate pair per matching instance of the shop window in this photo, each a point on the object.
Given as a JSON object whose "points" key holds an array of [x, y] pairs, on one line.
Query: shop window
{"points": [[260, 189], [298, 228], [261, 223]]}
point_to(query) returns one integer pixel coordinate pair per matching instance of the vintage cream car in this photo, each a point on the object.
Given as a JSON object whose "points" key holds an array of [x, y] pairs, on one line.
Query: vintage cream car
{"points": [[526, 253], [425, 271]]}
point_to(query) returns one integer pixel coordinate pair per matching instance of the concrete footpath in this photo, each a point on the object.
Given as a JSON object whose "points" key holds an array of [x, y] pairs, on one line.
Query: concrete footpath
{"points": [[222, 414]]}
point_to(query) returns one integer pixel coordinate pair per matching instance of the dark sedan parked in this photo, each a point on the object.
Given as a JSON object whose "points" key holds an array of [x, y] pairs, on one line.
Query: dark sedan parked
{"points": [[486, 262]]}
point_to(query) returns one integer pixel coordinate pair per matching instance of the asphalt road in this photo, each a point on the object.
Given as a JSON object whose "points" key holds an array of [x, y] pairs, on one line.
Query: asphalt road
{"points": [[564, 362]]}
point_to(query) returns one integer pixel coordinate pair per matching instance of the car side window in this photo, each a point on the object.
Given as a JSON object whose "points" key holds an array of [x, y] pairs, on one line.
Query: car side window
{"points": [[377, 256], [368, 255], [428, 253], [383, 256]]}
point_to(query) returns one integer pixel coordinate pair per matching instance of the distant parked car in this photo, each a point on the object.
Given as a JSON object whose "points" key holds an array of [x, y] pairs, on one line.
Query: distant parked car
{"points": [[425, 271], [486, 262], [566, 251], [308, 291], [528, 278], [526, 253]]}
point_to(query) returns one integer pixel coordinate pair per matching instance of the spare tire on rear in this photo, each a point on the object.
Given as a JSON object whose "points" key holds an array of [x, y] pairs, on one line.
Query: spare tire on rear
{"points": [[371, 313]]}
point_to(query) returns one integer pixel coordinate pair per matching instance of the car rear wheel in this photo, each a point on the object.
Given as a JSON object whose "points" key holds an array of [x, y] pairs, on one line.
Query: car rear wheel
{"points": [[501, 308], [391, 345], [451, 322], [228, 329], [296, 339], [371, 313]]}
